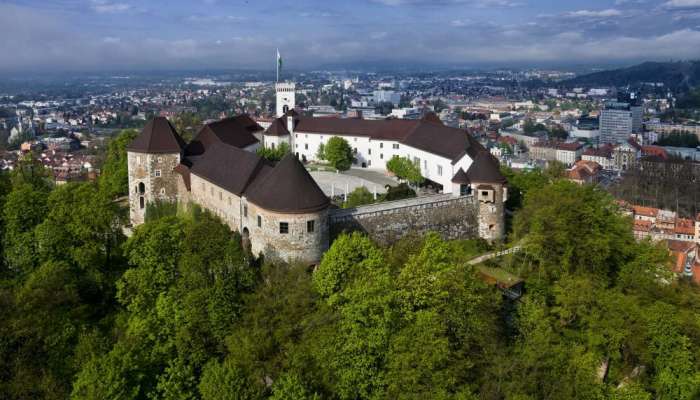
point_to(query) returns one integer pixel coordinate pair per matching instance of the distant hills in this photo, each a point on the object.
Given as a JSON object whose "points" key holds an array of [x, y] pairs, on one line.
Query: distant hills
{"points": [[677, 76]]}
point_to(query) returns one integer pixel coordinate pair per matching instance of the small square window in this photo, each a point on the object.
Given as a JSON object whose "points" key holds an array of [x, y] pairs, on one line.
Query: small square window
{"points": [[284, 227], [395, 145], [310, 226], [160, 159], [259, 221], [157, 173]]}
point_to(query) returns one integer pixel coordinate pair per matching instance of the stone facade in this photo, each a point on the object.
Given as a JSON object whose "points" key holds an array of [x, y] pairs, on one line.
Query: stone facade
{"points": [[491, 214], [306, 237], [452, 217], [151, 178]]}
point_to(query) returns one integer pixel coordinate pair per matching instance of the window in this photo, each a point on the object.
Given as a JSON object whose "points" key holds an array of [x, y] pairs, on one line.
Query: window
{"points": [[439, 170], [259, 221], [484, 194], [160, 159], [306, 136], [381, 145], [141, 202], [425, 165], [381, 156], [245, 211], [162, 191], [310, 226], [306, 146], [157, 173], [369, 152], [284, 227], [395, 146]]}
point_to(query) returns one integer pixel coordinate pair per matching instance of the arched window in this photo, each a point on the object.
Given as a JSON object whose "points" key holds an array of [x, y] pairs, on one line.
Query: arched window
{"points": [[142, 188]]}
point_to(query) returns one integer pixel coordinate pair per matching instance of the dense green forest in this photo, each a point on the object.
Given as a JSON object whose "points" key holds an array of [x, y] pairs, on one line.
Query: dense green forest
{"points": [[180, 310]]}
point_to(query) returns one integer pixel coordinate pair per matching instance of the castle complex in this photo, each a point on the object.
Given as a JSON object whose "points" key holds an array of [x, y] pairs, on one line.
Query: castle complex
{"points": [[279, 209]]}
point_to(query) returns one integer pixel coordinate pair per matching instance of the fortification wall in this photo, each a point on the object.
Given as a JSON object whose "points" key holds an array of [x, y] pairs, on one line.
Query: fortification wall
{"points": [[451, 217]]}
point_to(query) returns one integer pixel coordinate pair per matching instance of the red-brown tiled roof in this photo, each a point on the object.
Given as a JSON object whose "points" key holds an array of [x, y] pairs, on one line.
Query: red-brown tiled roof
{"points": [[645, 211], [685, 226], [158, 136]]}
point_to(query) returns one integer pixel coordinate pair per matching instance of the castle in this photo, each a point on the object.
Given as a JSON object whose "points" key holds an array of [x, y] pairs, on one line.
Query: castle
{"points": [[279, 209]]}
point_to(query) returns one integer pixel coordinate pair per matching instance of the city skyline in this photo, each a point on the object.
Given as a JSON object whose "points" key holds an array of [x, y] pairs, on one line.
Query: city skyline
{"points": [[126, 35]]}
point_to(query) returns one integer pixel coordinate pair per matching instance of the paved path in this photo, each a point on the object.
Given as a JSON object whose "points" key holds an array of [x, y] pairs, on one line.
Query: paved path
{"points": [[334, 184], [490, 256]]}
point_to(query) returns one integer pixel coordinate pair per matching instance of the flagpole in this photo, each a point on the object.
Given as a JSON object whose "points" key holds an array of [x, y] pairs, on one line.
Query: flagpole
{"points": [[277, 65]]}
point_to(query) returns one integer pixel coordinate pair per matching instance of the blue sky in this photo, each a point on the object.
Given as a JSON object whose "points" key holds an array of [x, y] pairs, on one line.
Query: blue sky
{"points": [[177, 34]]}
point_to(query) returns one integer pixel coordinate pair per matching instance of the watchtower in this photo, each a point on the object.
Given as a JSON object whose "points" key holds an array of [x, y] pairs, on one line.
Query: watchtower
{"points": [[285, 97], [151, 158]]}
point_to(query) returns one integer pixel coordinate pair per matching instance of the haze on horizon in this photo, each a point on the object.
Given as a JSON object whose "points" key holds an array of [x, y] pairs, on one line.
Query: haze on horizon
{"points": [[99, 35]]}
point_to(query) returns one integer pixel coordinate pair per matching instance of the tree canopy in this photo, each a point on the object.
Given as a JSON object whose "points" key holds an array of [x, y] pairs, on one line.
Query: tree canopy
{"points": [[338, 153]]}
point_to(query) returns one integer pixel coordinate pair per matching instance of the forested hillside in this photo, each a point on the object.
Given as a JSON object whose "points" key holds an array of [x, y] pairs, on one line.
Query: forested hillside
{"points": [[181, 311], [677, 76]]}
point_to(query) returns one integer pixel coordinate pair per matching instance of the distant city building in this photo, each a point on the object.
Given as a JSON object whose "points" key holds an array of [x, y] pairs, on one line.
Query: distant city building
{"points": [[386, 96], [618, 121], [587, 128]]}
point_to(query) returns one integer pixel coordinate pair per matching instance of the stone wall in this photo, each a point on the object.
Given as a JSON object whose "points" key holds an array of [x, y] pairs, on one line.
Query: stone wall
{"points": [[260, 227], [451, 217], [155, 172]]}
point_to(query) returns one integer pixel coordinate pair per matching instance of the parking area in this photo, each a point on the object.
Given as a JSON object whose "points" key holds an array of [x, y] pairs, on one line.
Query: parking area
{"points": [[336, 184]]}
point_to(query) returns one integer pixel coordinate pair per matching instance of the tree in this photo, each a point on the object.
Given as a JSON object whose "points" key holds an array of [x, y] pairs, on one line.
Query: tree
{"points": [[405, 169], [550, 223], [360, 196], [274, 154], [321, 152], [24, 209], [338, 153], [223, 381], [114, 177], [187, 123]]}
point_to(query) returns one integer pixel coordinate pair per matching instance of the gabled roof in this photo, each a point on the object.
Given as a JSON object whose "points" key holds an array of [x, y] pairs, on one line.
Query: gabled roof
{"points": [[461, 178], [235, 131], [158, 136], [277, 128], [485, 169], [228, 167], [436, 138], [287, 188]]}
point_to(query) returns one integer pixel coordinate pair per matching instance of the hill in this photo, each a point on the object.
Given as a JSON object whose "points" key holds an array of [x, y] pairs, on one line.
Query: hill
{"points": [[678, 76]]}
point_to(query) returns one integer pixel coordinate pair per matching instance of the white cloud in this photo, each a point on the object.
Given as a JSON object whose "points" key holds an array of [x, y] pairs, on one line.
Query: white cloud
{"points": [[213, 18], [681, 4], [610, 12], [106, 7]]}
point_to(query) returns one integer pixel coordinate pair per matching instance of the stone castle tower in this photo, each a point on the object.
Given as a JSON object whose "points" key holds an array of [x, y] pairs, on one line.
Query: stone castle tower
{"points": [[285, 99], [151, 158], [484, 181]]}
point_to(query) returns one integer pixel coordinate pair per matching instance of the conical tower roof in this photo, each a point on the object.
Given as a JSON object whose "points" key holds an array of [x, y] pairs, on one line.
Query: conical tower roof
{"points": [[485, 169], [158, 136], [461, 178], [287, 188]]}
